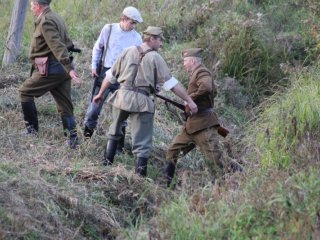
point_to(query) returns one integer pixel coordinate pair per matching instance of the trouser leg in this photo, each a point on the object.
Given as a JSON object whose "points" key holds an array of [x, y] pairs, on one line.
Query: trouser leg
{"points": [[180, 146], [30, 116], [69, 129], [209, 143], [94, 109], [142, 131], [115, 133]]}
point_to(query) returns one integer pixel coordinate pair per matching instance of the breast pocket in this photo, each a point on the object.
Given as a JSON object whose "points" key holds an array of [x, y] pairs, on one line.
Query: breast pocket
{"points": [[37, 40]]}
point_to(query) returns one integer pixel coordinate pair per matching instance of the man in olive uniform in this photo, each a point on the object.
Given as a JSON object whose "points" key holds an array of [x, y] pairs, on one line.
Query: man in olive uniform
{"points": [[140, 72], [201, 128], [50, 40]]}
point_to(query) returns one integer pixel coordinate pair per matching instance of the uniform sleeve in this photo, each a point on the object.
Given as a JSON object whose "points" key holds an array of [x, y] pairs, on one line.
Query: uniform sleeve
{"points": [[55, 43], [162, 71], [204, 83], [99, 44]]}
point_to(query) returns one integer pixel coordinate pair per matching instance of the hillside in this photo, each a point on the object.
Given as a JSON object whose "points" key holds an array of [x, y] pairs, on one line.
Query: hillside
{"points": [[267, 70]]}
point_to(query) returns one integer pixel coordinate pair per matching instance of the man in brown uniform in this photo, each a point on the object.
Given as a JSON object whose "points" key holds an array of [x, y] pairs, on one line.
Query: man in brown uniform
{"points": [[50, 40], [201, 128], [141, 71]]}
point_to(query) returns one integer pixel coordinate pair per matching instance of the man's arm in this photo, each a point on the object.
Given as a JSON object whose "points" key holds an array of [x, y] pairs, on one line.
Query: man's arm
{"points": [[179, 90], [105, 85]]}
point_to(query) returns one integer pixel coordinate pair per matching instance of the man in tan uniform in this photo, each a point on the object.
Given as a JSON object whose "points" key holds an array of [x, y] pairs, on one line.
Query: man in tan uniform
{"points": [[50, 40], [201, 128], [141, 71]]}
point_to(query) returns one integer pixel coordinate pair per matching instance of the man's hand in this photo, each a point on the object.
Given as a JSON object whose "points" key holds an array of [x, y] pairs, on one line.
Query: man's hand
{"points": [[94, 73], [73, 74], [192, 106], [97, 98]]}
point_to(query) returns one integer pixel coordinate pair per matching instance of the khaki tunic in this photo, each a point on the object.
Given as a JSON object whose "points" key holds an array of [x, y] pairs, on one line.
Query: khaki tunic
{"points": [[200, 129], [153, 72]]}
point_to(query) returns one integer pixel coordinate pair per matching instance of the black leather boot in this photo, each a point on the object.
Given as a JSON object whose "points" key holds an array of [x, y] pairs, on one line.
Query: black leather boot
{"points": [[169, 171], [120, 146], [141, 166], [30, 116], [87, 132], [110, 152], [69, 129]]}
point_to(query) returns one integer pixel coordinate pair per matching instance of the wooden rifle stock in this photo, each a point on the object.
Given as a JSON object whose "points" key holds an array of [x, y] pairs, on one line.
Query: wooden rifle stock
{"points": [[222, 131]]}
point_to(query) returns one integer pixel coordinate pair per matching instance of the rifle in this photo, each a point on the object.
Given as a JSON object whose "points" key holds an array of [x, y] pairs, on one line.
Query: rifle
{"points": [[221, 130], [71, 50], [97, 80], [185, 114]]}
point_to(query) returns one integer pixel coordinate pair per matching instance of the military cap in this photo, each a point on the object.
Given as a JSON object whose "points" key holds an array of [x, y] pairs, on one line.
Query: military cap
{"points": [[133, 13], [192, 52], [43, 1], [154, 31]]}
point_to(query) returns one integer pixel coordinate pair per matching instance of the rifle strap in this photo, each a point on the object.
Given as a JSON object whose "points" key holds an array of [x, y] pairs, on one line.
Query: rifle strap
{"points": [[106, 46]]}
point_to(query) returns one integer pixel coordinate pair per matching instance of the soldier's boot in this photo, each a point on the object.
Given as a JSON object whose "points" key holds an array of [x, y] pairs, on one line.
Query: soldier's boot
{"points": [[120, 146], [110, 151], [141, 166], [70, 130], [30, 117], [169, 171], [235, 166], [87, 132]]}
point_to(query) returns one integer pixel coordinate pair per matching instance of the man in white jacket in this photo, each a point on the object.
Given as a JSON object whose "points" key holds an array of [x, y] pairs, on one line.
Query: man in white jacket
{"points": [[112, 40]]}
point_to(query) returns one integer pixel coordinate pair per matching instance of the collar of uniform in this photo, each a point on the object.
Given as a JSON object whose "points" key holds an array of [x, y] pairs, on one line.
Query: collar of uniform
{"points": [[38, 19], [195, 69]]}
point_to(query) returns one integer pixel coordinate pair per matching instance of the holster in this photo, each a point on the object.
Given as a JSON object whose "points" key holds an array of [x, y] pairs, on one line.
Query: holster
{"points": [[42, 64]]}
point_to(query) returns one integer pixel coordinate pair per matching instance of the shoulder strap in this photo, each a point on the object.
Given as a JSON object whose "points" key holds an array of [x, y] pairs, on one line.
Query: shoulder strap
{"points": [[141, 55], [106, 46]]}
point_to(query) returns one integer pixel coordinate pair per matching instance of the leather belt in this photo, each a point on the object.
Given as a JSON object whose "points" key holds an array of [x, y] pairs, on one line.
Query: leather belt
{"points": [[134, 89], [207, 110]]}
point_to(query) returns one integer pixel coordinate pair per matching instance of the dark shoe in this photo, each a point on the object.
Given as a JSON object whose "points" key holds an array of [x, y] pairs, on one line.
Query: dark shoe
{"points": [[110, 152], [141, 166], [87, 132], [30, 117], [69, 130], [120, 146], [169, 171], [235, 166]]}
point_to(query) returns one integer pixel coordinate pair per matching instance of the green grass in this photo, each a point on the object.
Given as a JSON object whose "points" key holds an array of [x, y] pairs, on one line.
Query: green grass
{"points": [[48, 190]]}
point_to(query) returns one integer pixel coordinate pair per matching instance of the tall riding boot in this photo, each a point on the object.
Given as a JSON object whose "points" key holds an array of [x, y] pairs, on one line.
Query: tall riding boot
{"points": [[30, 116], [141, 166], [120, 146], [69, 129], [110, 152], [169, 171], [87, 132]]}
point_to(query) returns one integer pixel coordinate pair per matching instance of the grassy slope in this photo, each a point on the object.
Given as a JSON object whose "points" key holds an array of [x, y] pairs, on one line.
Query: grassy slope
{"points": [[50, 192]]}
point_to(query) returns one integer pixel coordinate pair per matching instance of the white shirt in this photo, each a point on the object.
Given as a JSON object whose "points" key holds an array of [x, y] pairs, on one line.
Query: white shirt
{"points": [[119, 40]]}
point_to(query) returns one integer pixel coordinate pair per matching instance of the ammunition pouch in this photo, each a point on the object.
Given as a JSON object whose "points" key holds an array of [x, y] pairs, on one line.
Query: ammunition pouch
{"points": [[42, 64]]}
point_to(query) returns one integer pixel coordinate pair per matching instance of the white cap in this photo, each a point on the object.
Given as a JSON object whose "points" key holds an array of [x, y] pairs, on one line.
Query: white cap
{"points": [[132, 13]]}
